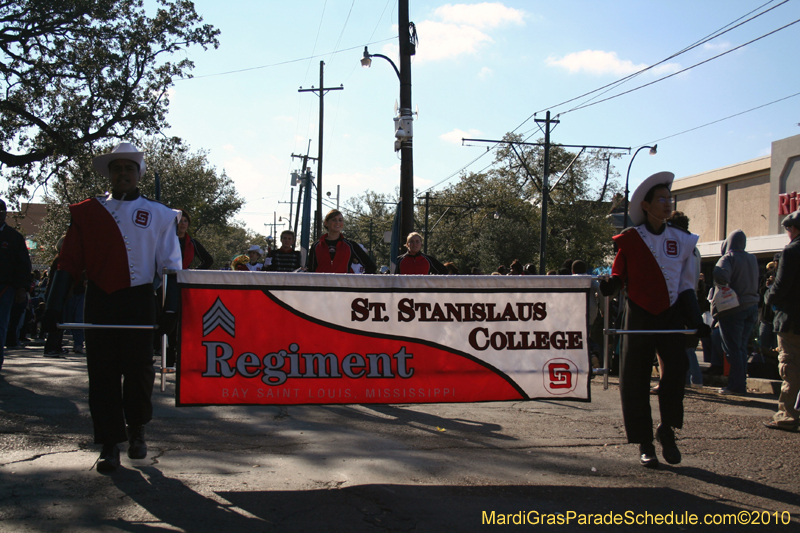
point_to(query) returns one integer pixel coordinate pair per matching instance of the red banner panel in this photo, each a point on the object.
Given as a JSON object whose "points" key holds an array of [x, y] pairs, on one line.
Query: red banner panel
{"points": [[269, 338]]}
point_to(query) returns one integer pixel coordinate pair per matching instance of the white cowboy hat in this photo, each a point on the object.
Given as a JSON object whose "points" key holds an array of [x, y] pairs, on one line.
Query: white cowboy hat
{"points": [[121, 151], [256, 248], [635, 214]]}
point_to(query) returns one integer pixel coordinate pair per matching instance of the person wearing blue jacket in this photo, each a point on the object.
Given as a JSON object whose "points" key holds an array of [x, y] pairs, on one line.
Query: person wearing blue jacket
{"points": [[738, 270]]}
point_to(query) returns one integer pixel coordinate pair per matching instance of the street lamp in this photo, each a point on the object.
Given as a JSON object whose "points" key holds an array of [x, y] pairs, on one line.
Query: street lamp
{"points": [[366, 61], [653, 151], [403, 125]]}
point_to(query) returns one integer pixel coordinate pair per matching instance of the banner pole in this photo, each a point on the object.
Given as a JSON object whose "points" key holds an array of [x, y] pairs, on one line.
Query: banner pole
{"points": [[164, 339], [83, 325], [606, 339], [651, 331]]}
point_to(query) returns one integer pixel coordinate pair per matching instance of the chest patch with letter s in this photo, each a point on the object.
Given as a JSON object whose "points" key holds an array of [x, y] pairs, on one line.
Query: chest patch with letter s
{"points": [[671, 248], [141, 218]]}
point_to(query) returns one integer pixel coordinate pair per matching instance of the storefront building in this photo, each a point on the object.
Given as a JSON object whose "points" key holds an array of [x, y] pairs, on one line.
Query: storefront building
{"points": [[753, 196]]}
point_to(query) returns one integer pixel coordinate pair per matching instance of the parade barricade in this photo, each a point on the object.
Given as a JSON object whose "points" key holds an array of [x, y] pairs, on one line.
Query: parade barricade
{"points": [[267, 338]]}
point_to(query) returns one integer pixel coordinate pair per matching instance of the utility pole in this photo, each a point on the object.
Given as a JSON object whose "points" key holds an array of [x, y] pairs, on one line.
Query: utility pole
{"points": [[407, 49], [274, 228], [545, 192], [291, 204], [322, 89], [338, 190], [305, 180], [544, 189], [427, 202]]}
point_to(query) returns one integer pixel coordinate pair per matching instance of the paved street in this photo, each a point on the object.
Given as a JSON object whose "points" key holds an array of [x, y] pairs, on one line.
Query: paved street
{"points": [[443, 467]]}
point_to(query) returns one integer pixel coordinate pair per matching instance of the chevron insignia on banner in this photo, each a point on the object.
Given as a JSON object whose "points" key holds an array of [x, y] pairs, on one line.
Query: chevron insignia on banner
{"points": [[219, 316]]}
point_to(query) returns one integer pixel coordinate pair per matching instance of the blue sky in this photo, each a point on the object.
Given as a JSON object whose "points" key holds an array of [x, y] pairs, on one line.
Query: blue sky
{"points": [[481, 69]]}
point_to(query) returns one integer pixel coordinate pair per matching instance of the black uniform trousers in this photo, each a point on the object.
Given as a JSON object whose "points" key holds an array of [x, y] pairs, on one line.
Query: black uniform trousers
{"points": [[120, 362], [638, 352]]}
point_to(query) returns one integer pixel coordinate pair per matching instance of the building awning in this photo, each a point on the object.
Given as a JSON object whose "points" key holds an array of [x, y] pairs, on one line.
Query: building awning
{"points": [[766, 246]]}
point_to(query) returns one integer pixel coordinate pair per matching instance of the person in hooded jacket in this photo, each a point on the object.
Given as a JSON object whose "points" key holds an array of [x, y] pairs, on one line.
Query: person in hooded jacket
{"points": [[738, 270]]}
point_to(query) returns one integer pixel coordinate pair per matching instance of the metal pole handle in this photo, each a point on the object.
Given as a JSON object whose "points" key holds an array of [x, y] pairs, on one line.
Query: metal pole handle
{"points": [[81, 325], [650, 332]]}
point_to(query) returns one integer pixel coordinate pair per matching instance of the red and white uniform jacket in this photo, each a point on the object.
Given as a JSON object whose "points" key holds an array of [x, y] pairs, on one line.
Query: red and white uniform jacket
{"points": [[419, 264], [120, 244], [656, 268]]}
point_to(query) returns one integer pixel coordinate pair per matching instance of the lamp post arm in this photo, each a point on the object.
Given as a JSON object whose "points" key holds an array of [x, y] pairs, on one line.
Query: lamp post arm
{"points": [[627, 178], [390, 62]]}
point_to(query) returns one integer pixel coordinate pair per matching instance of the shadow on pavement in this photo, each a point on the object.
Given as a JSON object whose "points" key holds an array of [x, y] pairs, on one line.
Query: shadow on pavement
{"points": [[391, 507], [422, 421], [24, 406], [738, 484]]}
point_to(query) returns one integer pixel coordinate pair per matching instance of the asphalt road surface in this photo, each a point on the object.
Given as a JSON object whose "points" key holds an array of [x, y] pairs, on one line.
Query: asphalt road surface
{"points": [[553, 466]]}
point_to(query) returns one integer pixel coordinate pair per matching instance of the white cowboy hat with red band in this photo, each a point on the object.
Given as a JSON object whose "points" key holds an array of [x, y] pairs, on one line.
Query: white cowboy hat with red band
{"points": [[121, 151], [636, 215]]}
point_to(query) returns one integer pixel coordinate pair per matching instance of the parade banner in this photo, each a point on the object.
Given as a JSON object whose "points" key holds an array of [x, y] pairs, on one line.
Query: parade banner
{"points": [[268, 338]]}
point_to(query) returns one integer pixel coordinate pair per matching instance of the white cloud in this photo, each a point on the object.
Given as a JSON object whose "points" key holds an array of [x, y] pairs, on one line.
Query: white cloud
{"points": [[455, 136], [485, 73], [600, 62], [718, 47], [251, 174], [461, 29], [444, 41], [484, 15]]}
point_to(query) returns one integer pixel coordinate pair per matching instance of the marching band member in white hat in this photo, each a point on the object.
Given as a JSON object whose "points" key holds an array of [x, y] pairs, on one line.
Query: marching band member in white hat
{"points": [[655, 263], [122, 240]]}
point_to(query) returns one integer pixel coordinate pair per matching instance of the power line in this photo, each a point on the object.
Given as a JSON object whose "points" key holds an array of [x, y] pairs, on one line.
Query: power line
{"points": [[720, 120], [643, 144], [335, 51], [681, 71], [715, 34], [704, 40], [319, 30], [455, 173], [381, 18], [358, 47]]}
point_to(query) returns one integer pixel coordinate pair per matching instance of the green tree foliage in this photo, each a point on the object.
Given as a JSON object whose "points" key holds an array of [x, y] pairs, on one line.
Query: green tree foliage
{"points": [[187, 181], [227, 241], [489, 219], [74, 73], [479, 221], [367, 218]]}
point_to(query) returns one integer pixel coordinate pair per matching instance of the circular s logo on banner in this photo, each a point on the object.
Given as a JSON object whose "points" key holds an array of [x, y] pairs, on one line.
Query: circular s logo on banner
{"points": [[560, 376]]}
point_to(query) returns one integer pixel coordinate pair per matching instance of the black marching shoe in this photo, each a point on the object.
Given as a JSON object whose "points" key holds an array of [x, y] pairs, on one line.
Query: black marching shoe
{"points": [[669, 450], [647, 455], [109, 459], [137, 447]]}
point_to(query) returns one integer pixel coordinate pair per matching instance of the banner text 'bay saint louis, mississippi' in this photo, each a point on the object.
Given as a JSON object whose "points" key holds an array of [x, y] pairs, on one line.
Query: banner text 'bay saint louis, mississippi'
{"points": [[268, 338]]}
